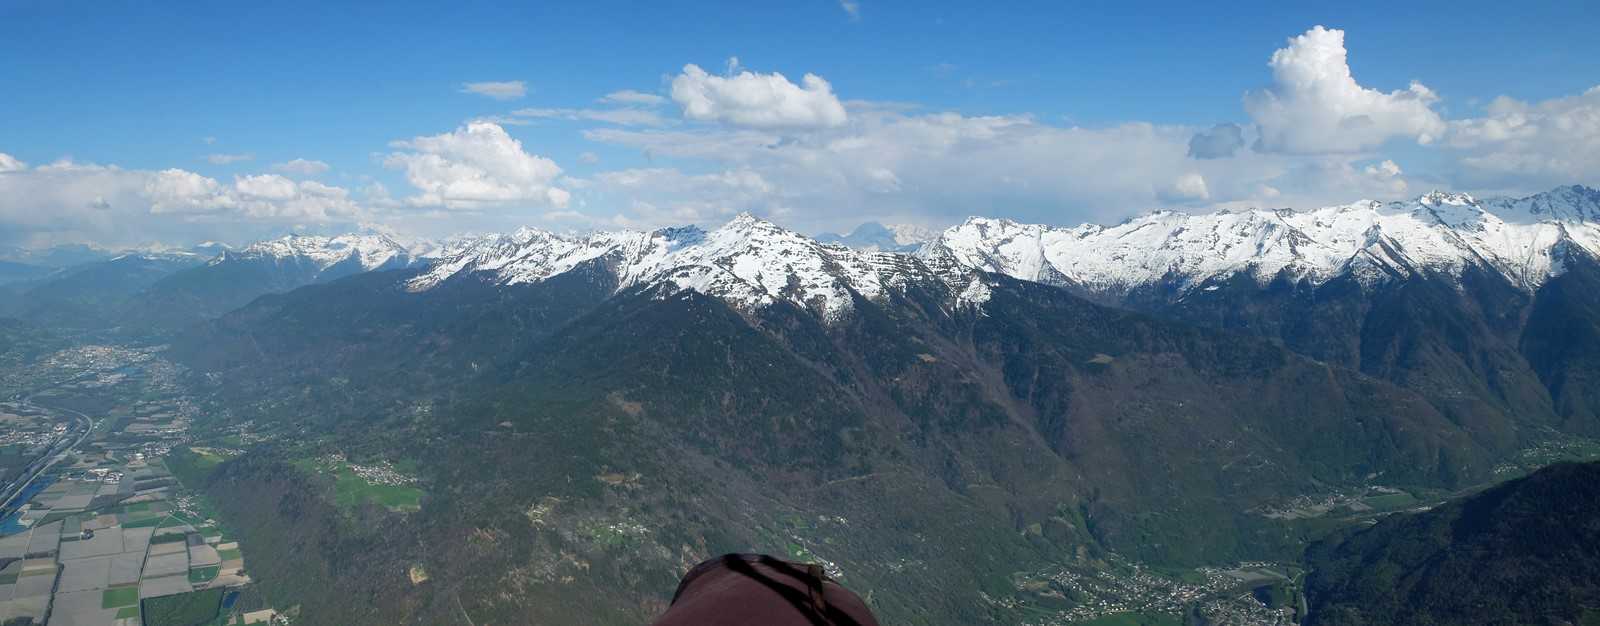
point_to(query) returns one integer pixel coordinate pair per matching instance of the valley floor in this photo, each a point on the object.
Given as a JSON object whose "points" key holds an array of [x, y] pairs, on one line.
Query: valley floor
{"points": [[104, 534], [114, 531]]}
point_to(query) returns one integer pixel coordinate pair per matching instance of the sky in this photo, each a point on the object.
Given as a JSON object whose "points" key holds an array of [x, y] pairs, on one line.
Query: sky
{"points": [[134, 123]]}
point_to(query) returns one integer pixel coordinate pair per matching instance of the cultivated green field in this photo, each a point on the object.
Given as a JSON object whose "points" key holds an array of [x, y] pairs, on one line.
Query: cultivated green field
{"points": [[119, 597], [350, 489], [203, 574]]}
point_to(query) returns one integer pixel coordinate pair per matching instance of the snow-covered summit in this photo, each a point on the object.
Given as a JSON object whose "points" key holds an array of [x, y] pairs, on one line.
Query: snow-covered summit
{"points": [[1437, 232], [369, 251], [748, 261], [875, 237], [752, 262]]}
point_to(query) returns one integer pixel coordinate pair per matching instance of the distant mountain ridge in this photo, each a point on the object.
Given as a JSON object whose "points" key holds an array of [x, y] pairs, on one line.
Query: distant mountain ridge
{"points": [[1524, 239], [236, 277], [875, 237], [748, 261], [752, 261]]}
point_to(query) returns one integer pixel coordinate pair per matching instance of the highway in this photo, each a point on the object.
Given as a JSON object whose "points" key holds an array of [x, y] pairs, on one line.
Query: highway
{"points": [[57, 453]]}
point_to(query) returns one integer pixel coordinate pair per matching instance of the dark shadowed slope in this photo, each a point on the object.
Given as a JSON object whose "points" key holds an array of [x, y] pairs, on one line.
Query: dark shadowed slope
{"points": [[1525, 552]]}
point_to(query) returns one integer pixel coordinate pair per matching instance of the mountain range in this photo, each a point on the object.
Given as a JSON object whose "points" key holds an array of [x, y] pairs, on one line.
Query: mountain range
{"points": [[946, 426], [160, 289], [1469, 302], [1006, 399]]}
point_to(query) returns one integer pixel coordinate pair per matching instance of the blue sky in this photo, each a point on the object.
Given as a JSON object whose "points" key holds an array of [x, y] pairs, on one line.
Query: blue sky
{"points": [[150, 87]]}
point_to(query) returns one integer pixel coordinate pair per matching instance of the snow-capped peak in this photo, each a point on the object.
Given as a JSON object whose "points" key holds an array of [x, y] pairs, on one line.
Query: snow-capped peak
{"points": [[752, 262], [1437, 197], [369, 251], [748, 261], [876, 237], [1436, 232]]}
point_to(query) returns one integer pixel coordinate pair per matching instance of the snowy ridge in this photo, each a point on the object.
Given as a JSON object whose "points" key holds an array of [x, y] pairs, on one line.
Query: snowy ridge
{"points": [[875, 237], [369, 251], [1437, 232], [749, 262], [752, 263]]}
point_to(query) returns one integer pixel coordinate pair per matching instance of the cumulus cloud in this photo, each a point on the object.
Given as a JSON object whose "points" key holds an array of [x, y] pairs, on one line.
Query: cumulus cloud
{"points": [[224, 159], [756, 100], [69, 201], [631, 97], [302, 167], [261, 196], [182, 191], [1315, 106], [10, 163], [498, 90], [273, 196], [1218, 142], [476, 166], [1531, 145], [266, 187]]}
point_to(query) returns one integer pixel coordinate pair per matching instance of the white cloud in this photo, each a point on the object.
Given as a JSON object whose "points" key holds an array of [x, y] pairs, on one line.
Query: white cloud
{"points": [[851, 7], [893, 164], [499, 90], [274, 196], [757, 100], [182, 191], [302, 167], [69, 201], [1315, 106], [1386, 169], [798, 152], [224, 159], [944, 166], [658, 197], [631, 97], [266, 187], [1190, 187], [476, 166], [262, 196], [621, 117], [1531, 145]]}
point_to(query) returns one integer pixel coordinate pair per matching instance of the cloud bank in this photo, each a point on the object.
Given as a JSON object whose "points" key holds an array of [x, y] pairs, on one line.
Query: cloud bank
{"points": [[715, 145]]}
